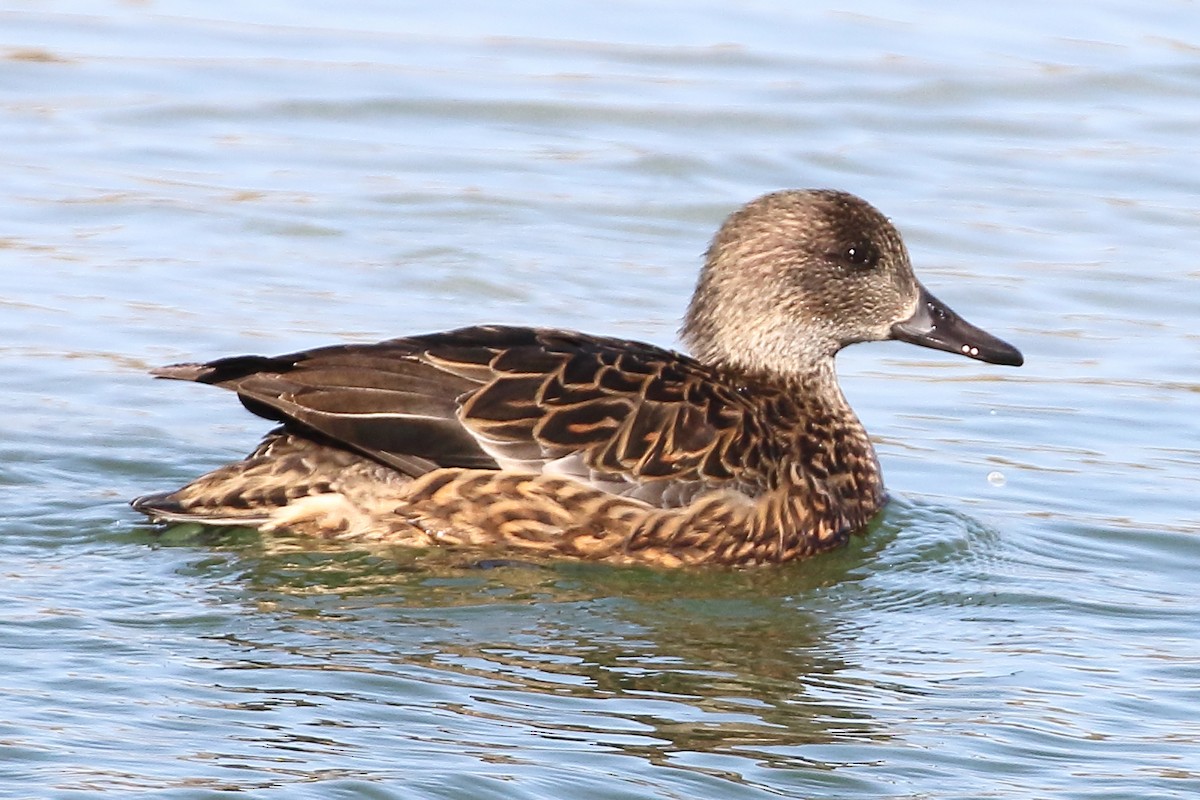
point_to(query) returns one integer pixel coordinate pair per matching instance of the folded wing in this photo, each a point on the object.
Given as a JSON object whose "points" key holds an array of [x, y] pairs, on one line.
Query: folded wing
{"points": [[625, 417]]}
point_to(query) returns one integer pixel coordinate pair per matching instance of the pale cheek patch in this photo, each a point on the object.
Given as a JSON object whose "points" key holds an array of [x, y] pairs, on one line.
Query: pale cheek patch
{"points": [[912, 309]]}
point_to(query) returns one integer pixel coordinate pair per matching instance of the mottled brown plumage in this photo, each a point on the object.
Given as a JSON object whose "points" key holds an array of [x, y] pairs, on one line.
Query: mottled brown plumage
{"points": [[552, 442]]}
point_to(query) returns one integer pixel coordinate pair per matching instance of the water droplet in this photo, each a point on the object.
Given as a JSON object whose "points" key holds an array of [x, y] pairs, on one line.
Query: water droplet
{"points": [[996, 478]]}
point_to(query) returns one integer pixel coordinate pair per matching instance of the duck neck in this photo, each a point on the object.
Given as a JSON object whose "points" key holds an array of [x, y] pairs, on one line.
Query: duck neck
{"points": [[829, 444]]}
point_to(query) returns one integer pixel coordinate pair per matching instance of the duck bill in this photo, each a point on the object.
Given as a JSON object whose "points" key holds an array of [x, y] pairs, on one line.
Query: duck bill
{"points": [[935, 325]]}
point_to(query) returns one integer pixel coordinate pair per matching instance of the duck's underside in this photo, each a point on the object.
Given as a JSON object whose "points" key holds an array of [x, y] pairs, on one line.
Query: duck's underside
{"points": [[293, 483]]}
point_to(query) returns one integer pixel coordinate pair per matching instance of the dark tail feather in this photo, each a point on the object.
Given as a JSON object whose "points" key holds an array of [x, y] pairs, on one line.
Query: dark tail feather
{"points": [[165, 507]]}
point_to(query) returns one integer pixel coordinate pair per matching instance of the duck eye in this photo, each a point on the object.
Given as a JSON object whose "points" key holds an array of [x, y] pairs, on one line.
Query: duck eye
{"points": [[862, 255]]}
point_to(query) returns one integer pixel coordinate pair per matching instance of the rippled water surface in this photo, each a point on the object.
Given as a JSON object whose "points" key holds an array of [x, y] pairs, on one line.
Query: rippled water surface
{"points": [[185, 180]]}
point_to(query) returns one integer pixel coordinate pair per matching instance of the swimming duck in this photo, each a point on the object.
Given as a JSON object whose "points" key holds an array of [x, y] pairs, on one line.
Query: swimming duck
{"points": [[542, 441]]}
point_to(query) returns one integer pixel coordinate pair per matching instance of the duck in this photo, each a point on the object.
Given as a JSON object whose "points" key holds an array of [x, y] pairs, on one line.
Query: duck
{"points": [[540, 442]]}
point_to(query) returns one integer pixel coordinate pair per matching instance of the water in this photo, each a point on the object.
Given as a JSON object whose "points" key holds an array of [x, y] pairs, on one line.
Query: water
{"points": [[183, 181]]}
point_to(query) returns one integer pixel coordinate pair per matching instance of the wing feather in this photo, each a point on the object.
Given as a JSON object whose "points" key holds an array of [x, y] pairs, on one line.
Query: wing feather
{"points": [[626, 417]]}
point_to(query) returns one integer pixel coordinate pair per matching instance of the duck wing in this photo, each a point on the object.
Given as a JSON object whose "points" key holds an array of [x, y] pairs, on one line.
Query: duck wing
{"points": [[625, 417]]}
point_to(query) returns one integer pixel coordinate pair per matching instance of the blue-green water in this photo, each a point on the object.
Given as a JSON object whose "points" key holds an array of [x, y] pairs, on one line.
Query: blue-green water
{"points": [[185, 180]]}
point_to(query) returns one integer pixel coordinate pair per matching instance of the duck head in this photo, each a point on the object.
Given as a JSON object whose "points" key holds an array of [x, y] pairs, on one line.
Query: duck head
{"points": [[793, 277]]}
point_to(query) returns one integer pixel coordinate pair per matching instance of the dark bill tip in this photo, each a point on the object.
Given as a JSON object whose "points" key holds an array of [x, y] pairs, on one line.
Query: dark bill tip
{"points": [[935, 325]]}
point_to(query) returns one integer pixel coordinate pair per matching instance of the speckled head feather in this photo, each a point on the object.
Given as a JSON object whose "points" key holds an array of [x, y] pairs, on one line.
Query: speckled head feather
{"points": [[793, 277], [551, 442]]}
